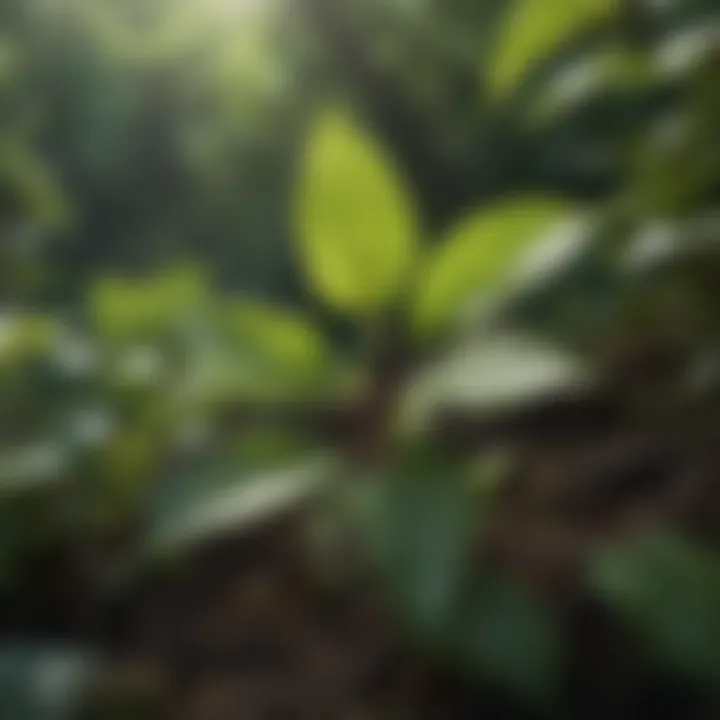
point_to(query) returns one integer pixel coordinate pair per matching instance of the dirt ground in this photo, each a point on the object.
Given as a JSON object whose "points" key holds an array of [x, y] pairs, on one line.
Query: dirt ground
{"points": [[245, 629]]}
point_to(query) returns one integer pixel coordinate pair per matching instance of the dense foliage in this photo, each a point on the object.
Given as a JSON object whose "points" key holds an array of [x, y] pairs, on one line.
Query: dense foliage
{"points": [[363, 258]]}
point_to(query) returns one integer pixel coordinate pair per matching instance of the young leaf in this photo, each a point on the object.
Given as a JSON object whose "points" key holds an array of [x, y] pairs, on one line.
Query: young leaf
{"points": [[355, 221], [667, 591], [122, 308], [480, 254], [533, 30], [280, 338]]}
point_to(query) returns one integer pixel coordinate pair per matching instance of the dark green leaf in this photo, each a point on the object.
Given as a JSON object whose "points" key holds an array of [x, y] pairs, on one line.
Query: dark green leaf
{"points": [[667, 591], [507, 637], [419, 524], [41, 683]]}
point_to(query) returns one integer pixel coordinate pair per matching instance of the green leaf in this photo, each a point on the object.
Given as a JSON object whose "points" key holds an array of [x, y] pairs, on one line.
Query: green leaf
{"points": [[571, 292], [588, 81], [667, 591], [24, 336], [123, 308], [235, 505], [8, 62], [480, 254], [355, 220], [490, 472], [419, 524], [41, 683], [281, 338], [488, 375], [252, 351], [534, 30], [36, 190], [34, 467], [506, 636]]}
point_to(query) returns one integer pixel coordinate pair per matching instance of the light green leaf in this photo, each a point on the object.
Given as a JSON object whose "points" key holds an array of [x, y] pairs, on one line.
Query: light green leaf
{"points": [[41, 683], [122, 307], [667, 590], [26, 335], [687, 49], [281, 338], [534, 29], [234, 505], [480, 254], [355, 220], [489, 375]]}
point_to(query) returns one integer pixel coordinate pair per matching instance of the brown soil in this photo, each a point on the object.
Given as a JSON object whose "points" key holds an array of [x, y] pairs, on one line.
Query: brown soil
{"points": [[246, 629]]}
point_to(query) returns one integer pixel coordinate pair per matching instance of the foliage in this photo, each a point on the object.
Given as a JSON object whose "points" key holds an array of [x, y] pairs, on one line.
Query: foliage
{"points": [[356, 223], [479, 254], [535, 30], [208, 268], [666, 590], [41, 683]]}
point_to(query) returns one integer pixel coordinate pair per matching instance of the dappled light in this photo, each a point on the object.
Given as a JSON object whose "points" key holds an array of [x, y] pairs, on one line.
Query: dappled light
{"points": [[359, 360]]}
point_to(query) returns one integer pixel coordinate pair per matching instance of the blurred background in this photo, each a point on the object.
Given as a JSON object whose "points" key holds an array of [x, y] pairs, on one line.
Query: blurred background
{"points": [[239, 479]]}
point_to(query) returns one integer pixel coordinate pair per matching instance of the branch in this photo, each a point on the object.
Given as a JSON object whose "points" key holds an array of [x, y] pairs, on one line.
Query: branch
{"points": [[349, 426]]}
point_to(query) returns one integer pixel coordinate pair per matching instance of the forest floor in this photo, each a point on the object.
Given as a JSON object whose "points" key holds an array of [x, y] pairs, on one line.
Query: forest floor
{"points": [[243, 629]]}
